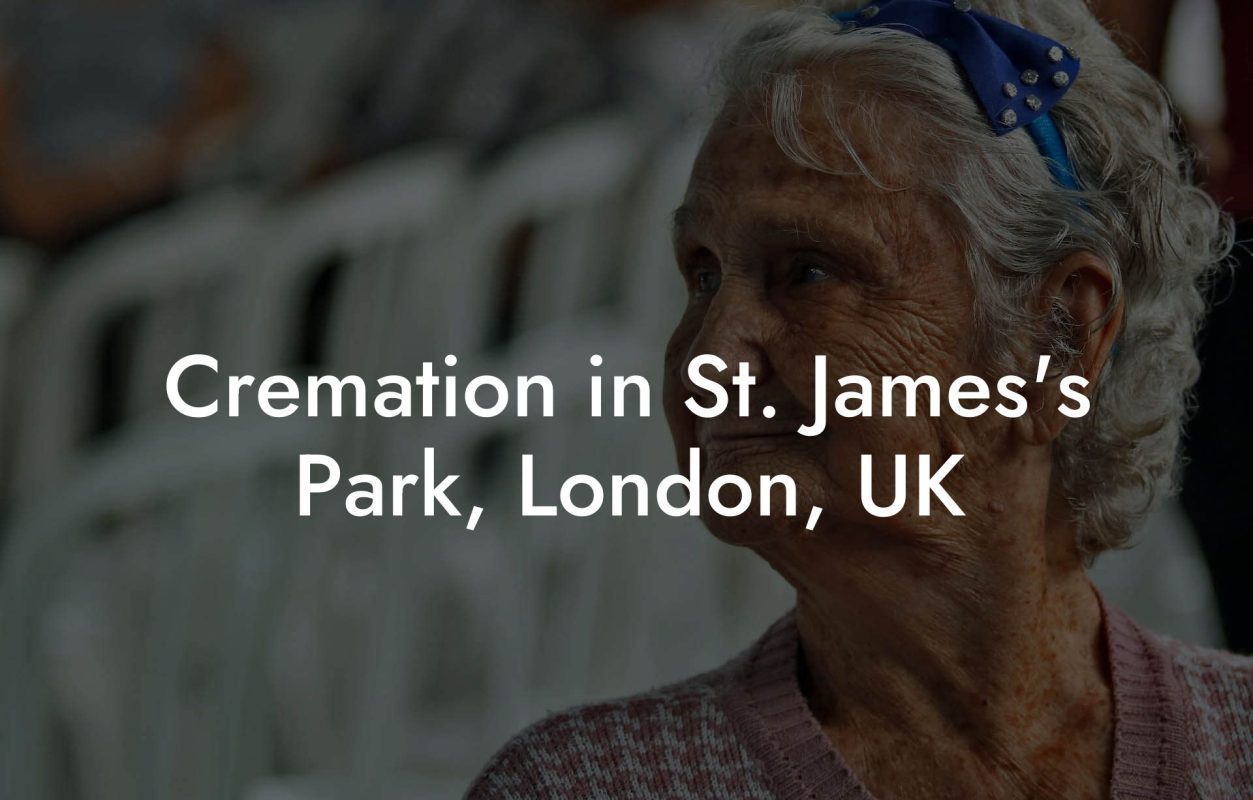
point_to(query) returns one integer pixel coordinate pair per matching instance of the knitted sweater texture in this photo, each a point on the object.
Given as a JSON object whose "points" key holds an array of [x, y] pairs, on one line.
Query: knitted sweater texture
{"points": [[1183, 728]]}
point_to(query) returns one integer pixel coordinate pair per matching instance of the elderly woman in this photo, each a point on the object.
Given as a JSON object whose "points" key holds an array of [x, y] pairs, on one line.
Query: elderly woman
{"points": [[922, 187]]}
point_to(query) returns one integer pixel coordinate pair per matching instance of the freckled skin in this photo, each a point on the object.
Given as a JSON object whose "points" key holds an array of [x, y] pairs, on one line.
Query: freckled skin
{"points": [[944, 656]]}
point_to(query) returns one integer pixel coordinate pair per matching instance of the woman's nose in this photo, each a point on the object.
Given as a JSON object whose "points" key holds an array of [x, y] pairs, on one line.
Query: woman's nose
{"points": [[733, 329]]}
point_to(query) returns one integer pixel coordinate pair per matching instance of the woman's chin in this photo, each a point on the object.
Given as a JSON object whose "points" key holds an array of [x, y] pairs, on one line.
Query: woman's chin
{"points": [[751, 532]]}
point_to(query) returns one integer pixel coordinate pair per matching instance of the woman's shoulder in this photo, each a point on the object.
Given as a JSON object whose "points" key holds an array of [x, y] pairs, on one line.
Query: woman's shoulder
{"points": [[1216, 690], [1201, 676], [678, 735], [1211, 677]]}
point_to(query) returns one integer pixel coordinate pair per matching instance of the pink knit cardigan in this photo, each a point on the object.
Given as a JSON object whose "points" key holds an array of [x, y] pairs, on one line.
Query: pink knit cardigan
{"points": [[1183, 728]]}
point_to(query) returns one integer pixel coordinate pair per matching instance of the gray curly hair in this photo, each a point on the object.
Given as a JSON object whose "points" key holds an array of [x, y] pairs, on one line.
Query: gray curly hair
{"points": [[1139, 209]]}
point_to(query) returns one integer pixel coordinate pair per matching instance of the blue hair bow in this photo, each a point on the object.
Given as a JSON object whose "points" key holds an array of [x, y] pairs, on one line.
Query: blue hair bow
{"points": [[1016, 75]]}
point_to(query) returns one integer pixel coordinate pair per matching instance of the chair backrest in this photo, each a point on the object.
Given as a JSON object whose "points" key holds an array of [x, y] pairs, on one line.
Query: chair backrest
{"points": [[352, 238], [162, 279]]}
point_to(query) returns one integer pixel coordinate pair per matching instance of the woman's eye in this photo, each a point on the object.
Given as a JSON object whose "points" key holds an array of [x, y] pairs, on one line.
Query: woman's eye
{"points": [[708, 281], [811, 273]]}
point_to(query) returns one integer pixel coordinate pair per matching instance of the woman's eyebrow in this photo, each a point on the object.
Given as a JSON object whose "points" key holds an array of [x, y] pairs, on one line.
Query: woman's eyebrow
{"points": [[799, 229], [683, 219], [773, 228]]}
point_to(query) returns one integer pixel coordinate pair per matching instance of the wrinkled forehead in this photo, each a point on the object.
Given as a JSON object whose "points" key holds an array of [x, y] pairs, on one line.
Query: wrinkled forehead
{"points": [[851, 164]]}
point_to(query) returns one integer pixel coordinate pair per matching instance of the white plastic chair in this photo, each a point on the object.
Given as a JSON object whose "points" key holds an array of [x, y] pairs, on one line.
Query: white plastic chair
{"points": [[194, 495], [563, 196], [173, 264], [374, 225], [180, 480]]}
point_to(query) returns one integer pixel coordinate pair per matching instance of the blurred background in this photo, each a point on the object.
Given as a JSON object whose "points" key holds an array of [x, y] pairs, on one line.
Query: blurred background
{"points": [[319, 187]]}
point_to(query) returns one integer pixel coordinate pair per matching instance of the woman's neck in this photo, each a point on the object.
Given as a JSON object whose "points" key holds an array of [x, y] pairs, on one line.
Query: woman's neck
{"points": [[980, 653]]}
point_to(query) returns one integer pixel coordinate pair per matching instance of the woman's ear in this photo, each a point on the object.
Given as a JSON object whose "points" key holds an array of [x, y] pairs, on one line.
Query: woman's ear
{"points": [[1079, 297]]}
